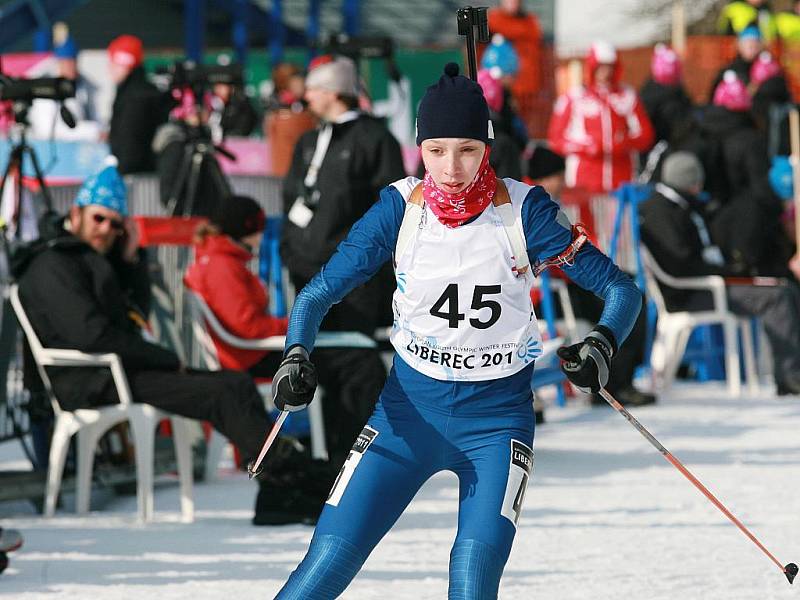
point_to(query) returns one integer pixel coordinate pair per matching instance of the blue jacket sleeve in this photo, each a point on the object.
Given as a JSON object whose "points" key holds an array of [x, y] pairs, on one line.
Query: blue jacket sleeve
{"points": [[358, 257], [548, 233]]}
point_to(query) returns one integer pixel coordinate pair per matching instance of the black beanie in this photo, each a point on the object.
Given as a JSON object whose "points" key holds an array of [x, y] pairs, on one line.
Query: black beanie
{"points": [[544, 162], [454, 108], [238, 216]]}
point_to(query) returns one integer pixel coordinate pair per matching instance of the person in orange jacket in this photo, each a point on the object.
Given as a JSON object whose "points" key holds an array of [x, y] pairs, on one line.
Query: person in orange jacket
{"points": [[522, 29], [600, 126], [237, 297]]}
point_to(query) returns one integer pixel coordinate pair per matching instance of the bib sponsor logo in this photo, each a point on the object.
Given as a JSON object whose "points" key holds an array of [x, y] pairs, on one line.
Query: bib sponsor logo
{"points": [[459, 360], [520, 469], [362, 443]]}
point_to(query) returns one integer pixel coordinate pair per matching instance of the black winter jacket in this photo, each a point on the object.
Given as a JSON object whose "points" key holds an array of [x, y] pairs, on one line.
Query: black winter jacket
{"points": [[668, 107], [672, 238], [78, 299], [735, 157], [139, 108], [363, 157]]}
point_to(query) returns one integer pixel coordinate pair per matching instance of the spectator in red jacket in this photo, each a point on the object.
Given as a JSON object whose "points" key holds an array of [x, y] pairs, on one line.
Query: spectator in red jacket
{"points": [[220, 275], [601, 126]]}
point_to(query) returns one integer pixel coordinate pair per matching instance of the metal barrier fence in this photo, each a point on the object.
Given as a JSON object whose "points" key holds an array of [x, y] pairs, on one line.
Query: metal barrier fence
{"points": [[598, 213]]}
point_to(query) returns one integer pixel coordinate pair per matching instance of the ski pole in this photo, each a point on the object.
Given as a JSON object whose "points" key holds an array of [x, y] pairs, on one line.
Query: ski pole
{"points": [[790, 570], [254, 468]]}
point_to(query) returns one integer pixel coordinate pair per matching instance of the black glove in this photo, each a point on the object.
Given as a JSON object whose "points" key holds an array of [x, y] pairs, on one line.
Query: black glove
{"points": [[295, 381], [588, 363]]}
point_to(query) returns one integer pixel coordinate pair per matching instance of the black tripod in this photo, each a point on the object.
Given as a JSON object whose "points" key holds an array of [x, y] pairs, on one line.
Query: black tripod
{"points": [[10, 241], [13, 169], [198, 159]]}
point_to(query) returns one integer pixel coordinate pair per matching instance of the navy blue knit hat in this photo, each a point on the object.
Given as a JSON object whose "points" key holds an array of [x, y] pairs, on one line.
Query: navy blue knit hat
{"points": [[454, 108]]}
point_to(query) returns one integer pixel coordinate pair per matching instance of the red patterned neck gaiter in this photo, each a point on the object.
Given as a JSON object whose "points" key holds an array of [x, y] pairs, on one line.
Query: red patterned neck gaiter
{"points": [[454, 210]]}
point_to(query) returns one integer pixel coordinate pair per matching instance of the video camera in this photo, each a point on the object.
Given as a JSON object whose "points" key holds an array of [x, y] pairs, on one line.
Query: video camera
{"points": [[360, 47], [18, 94], [198, 77], [26, 90]]}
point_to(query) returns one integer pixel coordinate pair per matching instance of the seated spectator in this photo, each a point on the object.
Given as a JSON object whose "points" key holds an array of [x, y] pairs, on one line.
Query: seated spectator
{"points": [[739, 15], [749, 44], [220, 275], [675, 230], [44, 114], [546, 168], [87, 288], [601, 126]]}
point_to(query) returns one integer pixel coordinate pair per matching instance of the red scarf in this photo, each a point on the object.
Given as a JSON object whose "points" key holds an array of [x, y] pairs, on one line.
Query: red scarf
{"points": [[454, 210]]}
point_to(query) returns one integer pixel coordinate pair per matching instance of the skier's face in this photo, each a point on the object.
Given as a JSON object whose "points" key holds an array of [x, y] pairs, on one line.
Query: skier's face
{"points": [[452, 162]]}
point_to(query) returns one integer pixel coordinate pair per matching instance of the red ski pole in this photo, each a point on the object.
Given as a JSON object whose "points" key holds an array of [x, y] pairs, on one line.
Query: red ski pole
{"points": [[790, 570], [254, 468]]}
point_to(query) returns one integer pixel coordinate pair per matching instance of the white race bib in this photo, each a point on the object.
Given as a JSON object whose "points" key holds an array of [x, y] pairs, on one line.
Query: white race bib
{"points": [[462, 312]]}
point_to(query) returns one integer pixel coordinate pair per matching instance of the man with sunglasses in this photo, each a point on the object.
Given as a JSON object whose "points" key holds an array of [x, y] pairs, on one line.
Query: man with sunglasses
{"points": [[88, 288]]}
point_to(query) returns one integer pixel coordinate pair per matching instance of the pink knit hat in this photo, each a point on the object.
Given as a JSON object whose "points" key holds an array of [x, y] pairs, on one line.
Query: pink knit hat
{"points": [[665, 66], [764, 67], [492, 89], [732, 93]]}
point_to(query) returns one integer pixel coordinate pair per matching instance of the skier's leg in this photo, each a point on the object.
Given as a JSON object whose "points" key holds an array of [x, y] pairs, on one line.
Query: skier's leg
{"points": [[383, 472], [492, 490]]}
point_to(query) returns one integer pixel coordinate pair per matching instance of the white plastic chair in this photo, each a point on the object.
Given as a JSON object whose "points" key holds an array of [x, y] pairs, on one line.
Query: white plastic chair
{"points": [[674, 327], [204, 319], [90, 424]]}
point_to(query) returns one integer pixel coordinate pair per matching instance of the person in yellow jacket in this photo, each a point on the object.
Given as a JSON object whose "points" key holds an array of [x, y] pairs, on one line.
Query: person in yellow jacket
{"points": [[738, 15], [787, 23]]}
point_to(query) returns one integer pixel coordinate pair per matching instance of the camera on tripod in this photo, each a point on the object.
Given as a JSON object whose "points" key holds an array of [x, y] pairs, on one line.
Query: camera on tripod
{"points": [[359, 47], [187, 74], [27, 90], [192, 182], [22, 92]]}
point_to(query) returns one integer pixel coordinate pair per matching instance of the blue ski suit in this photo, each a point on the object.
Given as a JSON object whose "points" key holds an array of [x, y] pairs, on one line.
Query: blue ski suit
{"points": [[480, 430]]}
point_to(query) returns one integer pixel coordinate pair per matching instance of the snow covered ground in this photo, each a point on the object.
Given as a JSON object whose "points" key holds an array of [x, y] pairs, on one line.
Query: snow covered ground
{"points": [[606, 517]]}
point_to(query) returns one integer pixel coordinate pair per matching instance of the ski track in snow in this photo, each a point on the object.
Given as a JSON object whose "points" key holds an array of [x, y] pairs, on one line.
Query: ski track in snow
{"points": [[606, 517]]}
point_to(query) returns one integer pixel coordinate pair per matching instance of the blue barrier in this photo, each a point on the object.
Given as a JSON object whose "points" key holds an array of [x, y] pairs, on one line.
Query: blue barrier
{"points": [[270, 266]]}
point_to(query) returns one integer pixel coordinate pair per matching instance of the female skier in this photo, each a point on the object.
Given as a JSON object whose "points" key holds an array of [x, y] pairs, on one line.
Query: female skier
{"points": [[459, 396]]}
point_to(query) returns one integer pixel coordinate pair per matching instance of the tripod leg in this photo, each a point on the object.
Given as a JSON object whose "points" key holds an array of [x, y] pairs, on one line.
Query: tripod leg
{"points": [[179, 184], [198, 158], [219, 180], [48, 200]]}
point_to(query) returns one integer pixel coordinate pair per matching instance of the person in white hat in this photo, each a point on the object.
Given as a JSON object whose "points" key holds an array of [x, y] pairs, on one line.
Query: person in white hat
{"points": [[337, 172]]}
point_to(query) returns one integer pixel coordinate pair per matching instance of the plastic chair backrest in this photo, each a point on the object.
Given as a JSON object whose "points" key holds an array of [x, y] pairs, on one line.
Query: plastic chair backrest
{"points": [[33, 342], [201, 314], [652, 275]]}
